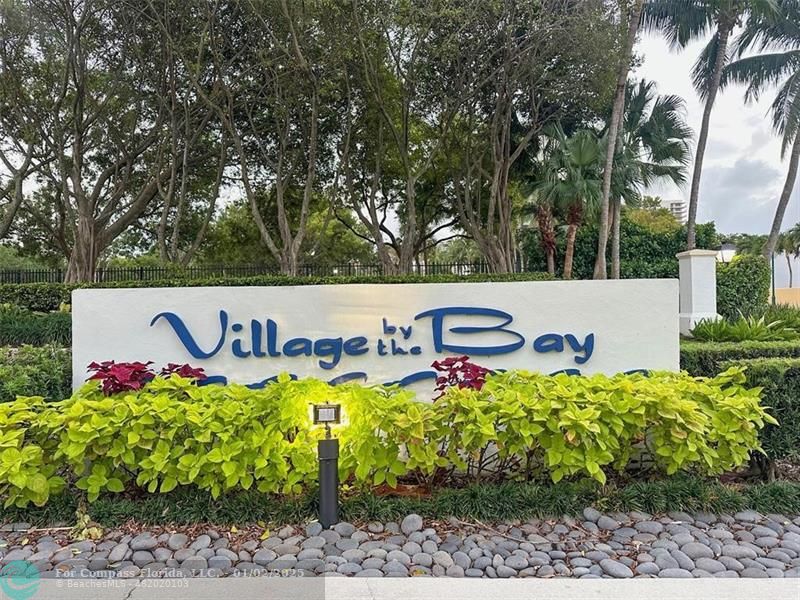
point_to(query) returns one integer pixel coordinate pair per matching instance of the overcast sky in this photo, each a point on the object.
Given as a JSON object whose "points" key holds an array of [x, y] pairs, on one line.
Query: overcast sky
{"points": [[742, 173]]}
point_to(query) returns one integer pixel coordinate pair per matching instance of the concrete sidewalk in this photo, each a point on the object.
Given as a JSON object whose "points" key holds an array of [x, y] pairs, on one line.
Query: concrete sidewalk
{"points": [[416, 589]]}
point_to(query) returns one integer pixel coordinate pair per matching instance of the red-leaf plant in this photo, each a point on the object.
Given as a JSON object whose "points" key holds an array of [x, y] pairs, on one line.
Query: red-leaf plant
{"points": [[130, 376], [459, 371], [186, 371], [120, 377]]}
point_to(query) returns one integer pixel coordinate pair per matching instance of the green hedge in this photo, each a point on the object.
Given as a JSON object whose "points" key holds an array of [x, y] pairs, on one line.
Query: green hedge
{"points": [[780, 380], [743, 286], [20, 326], [49, 296], [30, 371], [644, 269], [706, 359], [644, 253]]}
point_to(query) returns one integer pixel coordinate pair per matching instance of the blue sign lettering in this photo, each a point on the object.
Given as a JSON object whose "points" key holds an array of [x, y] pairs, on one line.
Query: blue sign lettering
{"points": [[554, 342], [438, 316], [453, 329], [186, 338]]}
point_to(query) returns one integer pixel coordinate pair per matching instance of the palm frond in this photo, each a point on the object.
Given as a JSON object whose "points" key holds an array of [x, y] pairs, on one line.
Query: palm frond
{"points": [[681, 21], [703, 68], [772, 25], [761, 71], [786, 112]]}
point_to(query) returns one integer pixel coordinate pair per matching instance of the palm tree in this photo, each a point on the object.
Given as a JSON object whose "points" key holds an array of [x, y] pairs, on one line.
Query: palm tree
{"points": [[631, 14], [751, 245], [789, 246], [537, 207], [572, 182], [541, 209], [778, 38], [683, 21], [654, 145], [794, 236]]}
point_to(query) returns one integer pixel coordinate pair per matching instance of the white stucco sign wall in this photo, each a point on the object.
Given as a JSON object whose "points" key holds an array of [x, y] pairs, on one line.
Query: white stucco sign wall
{"points": [[381, 333]]}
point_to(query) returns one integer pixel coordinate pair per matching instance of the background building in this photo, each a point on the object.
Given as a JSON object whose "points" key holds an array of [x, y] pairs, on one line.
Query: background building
{"points": [[679, 210]]}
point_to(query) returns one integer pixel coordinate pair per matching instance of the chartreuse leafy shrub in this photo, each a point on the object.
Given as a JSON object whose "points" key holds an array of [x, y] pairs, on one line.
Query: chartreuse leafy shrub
{"points": [[27, 474], [743, 286], [706, 359], [579, 425], [383, 425], [173, 433], [50, 296], [20, 326], [32, 371]]}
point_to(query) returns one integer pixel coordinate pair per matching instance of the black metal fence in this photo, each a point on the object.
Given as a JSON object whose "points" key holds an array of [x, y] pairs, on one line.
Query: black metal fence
{"points": [[208, 271]]}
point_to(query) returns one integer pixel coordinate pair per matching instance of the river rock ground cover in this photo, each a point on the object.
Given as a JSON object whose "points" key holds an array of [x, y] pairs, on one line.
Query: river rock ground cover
{"points": [[613, 545]]}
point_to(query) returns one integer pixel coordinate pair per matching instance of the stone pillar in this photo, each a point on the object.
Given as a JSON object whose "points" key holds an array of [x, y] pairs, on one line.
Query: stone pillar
{"points": [[698, 287]]}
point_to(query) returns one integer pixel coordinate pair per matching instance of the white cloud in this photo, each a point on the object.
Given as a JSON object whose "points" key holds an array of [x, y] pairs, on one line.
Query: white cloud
{"points": [[741, 196]]}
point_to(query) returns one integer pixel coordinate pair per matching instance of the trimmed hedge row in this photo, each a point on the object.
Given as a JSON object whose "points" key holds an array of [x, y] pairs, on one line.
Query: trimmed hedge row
{"points": [[780, 380], [19, 326], [706, 359], [30, 371], [743, 286], [49, 296]]}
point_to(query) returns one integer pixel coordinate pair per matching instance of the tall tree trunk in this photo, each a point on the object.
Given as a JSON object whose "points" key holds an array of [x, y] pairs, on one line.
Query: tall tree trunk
{"points": [[789, 264], [573, 220], [388, 264], [613, 130], [497, 257], [791, 177], [551, 261], [492, 251], [405, 254], [616, 209], [83, 260], [572, 230], [11, 210], [544, 218], [289, 263], [724, 32]]}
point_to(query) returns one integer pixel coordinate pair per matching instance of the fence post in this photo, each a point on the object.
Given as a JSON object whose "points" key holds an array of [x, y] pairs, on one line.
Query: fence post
{"points": [[698, 287]]}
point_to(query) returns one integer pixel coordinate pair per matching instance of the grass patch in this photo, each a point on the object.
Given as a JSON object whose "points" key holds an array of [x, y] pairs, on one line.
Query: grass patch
{"points": [[485, 503], [19, 326]]}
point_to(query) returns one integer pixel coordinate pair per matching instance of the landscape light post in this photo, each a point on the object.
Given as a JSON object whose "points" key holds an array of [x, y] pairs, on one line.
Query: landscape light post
{"points": [[328, 451]]}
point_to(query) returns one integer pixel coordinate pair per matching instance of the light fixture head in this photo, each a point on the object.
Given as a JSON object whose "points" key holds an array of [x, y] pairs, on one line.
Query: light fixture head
{"points": [[327, 414]]}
